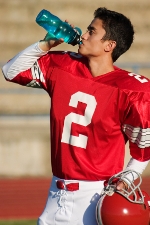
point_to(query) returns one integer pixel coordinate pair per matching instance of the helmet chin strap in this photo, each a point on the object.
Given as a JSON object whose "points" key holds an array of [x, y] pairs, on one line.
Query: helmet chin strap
{"points": [[133, 194]]}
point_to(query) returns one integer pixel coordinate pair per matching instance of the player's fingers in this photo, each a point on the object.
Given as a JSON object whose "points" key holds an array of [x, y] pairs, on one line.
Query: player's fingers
{"points": [[61, 40], [121, 185], [69, 24]]}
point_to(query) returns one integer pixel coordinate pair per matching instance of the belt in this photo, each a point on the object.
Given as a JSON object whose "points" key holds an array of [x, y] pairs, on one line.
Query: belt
{"points": [[69, 187]]}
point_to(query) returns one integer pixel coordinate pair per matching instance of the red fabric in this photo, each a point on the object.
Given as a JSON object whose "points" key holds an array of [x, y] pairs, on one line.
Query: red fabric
{"points": [[90, 112], [72, 186], [60, 184], [69, 187]]}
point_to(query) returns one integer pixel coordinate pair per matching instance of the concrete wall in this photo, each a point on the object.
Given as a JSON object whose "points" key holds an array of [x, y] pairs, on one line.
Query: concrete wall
{"points": [[24, 147]]}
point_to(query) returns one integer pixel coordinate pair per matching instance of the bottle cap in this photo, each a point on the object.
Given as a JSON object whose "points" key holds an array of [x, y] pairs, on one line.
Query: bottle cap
{"points": [[76, 39]]}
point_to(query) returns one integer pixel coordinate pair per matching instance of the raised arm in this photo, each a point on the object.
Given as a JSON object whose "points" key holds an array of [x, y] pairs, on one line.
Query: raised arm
{"points": [[26, 58]]}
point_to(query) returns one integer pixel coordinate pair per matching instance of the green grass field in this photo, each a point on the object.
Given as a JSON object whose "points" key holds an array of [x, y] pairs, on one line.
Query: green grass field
{"points": [[18, 222]]}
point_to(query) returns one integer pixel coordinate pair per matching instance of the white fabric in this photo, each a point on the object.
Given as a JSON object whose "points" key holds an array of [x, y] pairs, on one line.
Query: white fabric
{"points": [[137, 166], [138, 135], [72, 207], [22, 61]]}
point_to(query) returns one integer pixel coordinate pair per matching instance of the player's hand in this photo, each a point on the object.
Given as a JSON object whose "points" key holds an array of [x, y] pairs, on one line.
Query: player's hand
{"points": [[49, 42], [121, 185], [69, 24]]}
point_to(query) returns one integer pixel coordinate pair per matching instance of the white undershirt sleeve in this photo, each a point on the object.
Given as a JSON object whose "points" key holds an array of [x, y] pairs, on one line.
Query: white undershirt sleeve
{"points": [[137, 166], [22, 61]]}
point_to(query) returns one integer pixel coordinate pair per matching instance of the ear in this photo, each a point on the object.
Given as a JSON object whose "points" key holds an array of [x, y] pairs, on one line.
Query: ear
{"points": [[110, 46]]}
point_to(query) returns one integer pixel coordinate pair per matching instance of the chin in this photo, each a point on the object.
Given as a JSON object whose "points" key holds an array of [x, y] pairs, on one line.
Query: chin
{"points": [[81, 52]]}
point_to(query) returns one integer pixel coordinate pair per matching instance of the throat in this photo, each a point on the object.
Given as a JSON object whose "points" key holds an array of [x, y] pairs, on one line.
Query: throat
{"points": [[100, 68], [100, 71]]}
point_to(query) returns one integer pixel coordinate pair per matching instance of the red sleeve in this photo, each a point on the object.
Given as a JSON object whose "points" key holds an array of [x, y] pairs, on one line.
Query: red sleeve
{"points": [[36, 76], [137, 125]]}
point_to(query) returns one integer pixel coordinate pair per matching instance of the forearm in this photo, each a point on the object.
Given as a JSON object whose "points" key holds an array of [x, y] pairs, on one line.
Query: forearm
{"points": [[133, 165], [137, 166], [25, 59], [22, 61]]}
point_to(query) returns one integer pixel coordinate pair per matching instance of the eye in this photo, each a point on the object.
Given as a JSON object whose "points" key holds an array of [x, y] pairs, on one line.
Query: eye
{"points": [[90, 32]]}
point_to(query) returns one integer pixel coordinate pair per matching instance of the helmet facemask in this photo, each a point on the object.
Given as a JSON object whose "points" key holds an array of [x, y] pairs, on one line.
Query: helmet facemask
{"points": [[126, 206]]}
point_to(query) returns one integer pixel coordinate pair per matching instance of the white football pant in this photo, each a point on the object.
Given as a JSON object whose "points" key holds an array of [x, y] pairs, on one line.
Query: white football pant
{"points": [[77, 207]]}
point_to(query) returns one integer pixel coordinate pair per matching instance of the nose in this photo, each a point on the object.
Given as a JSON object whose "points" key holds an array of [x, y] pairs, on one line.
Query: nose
{"points": [[84, 36]]}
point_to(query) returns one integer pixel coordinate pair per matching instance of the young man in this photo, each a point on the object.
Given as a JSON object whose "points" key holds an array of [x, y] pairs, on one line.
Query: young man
{"points": [[95, 108]]}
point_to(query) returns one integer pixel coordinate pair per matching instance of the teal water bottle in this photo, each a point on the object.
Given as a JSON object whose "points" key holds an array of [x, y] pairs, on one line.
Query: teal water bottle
{"points": [[57, 28]]}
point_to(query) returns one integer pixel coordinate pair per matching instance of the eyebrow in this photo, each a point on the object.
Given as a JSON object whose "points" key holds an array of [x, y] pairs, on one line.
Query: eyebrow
{"points": [[91, 28]]}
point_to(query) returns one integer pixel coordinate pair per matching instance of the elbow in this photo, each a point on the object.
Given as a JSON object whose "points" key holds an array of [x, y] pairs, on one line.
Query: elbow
{"points": [[5, 72]]}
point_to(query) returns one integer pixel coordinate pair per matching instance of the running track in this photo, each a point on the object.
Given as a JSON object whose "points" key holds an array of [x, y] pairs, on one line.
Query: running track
{"points": [[26, 198]]}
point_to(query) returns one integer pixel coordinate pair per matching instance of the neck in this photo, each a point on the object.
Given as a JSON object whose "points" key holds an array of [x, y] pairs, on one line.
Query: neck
{"points": [[99, 67]]}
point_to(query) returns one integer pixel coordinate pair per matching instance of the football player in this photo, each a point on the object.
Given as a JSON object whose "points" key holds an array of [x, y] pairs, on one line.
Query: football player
{"points": [[95, 109]]}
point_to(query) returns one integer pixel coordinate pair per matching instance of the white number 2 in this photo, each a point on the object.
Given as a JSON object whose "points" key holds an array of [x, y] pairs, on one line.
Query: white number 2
{"points": [[81, 140], [138, 77]]}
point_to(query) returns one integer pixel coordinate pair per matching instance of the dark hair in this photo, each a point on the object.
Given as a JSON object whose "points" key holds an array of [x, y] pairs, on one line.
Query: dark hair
{"points": [[118, 28]]}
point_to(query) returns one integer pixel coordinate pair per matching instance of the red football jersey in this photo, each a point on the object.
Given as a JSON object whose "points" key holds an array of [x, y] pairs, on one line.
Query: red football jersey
{"points": [[91, 117]]}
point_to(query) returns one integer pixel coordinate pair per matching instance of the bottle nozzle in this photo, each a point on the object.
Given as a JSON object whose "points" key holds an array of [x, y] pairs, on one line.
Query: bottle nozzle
{"points": [[76, 39], [78, 30]]}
